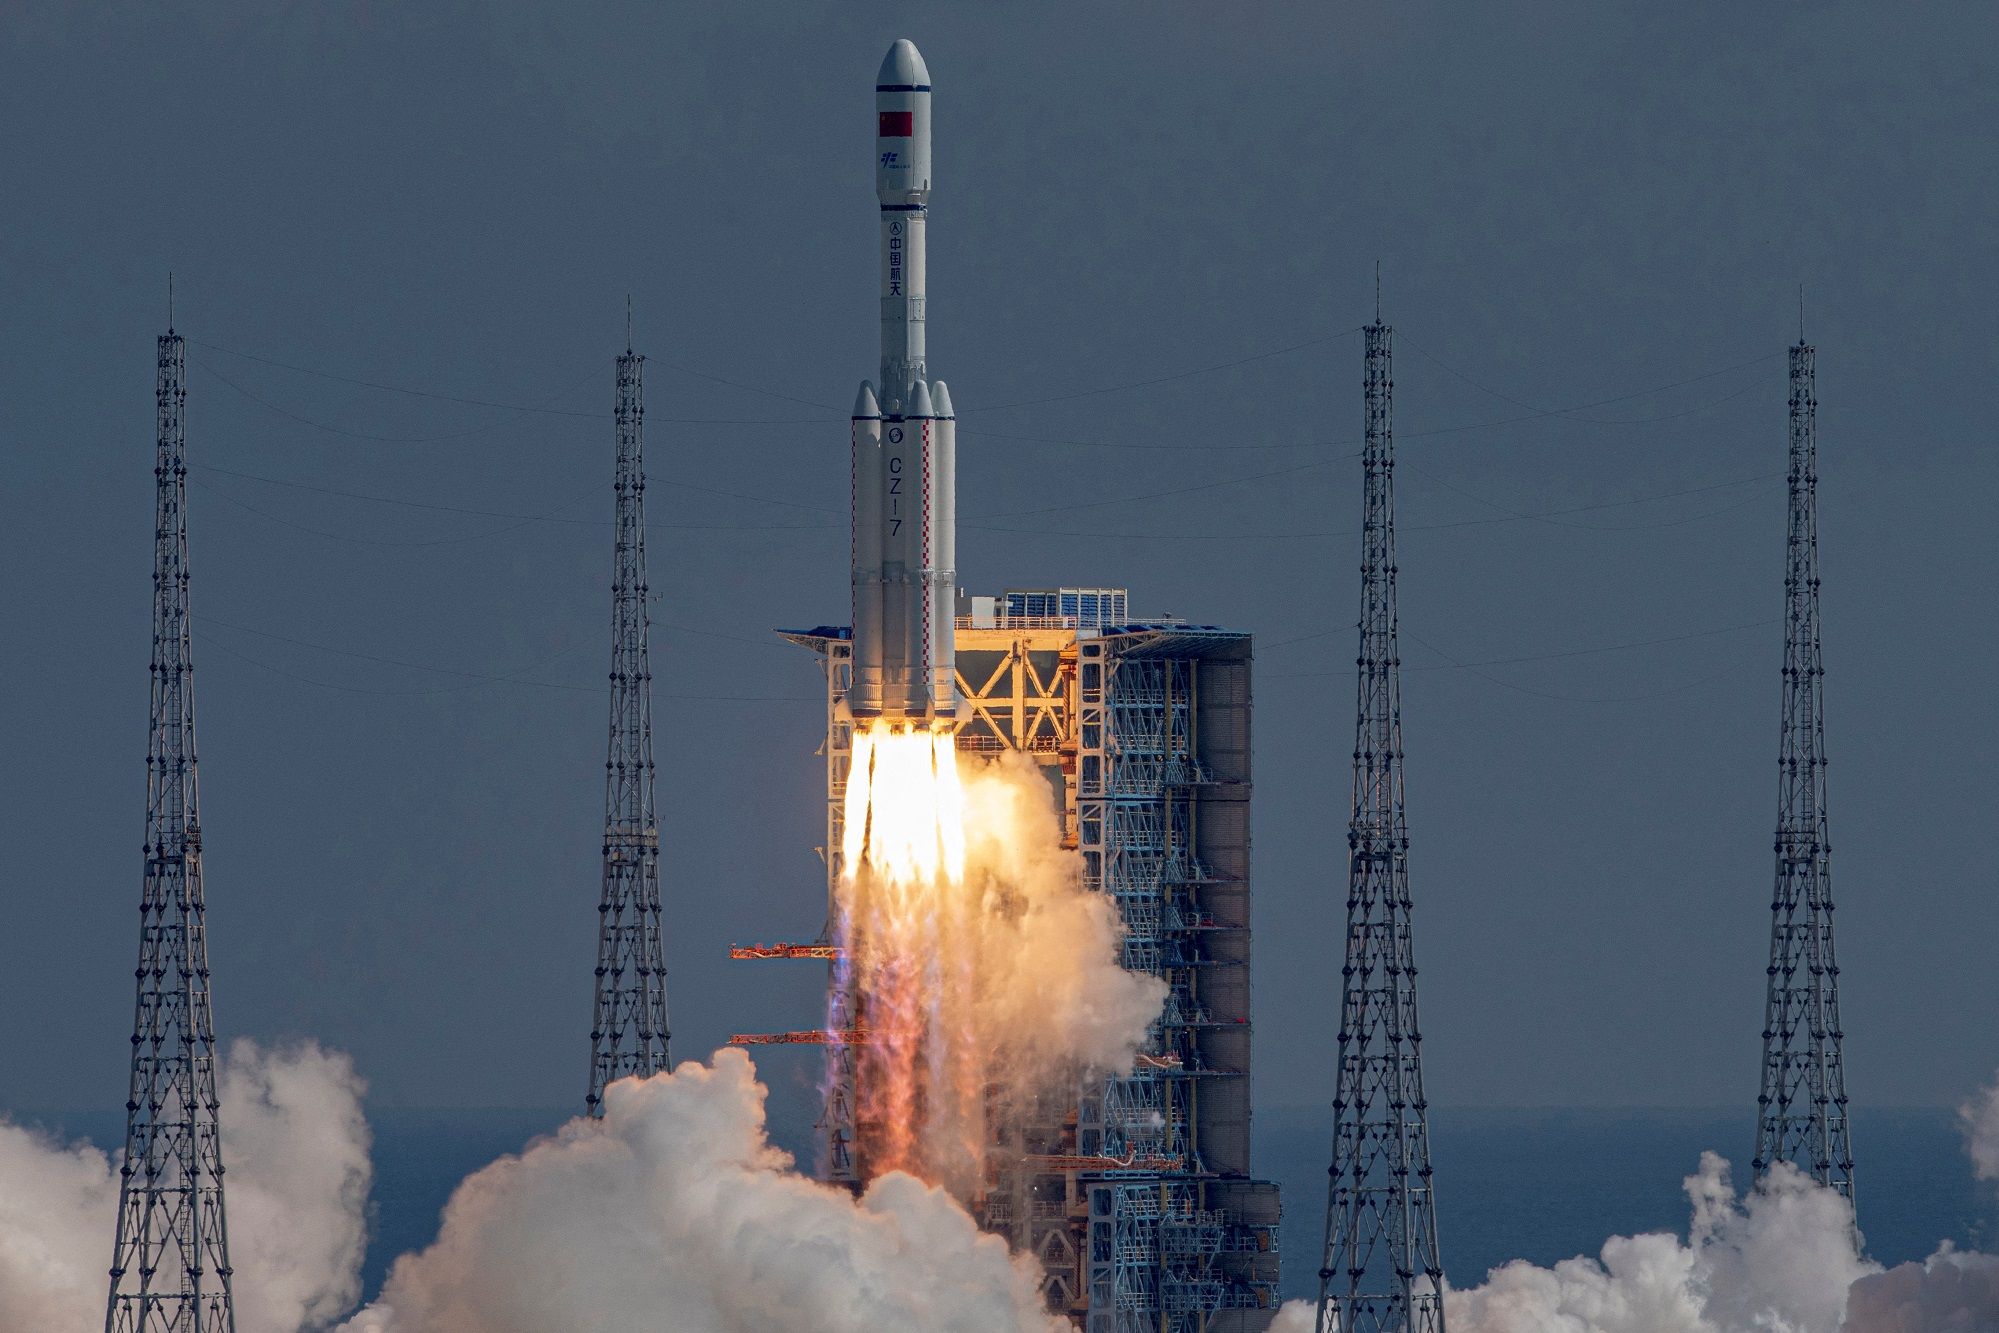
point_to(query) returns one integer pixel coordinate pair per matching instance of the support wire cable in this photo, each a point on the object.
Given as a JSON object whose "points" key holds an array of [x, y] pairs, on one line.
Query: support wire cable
{"points": [[1455, 665], [1533, 414], [1169, 379], [211, 641], [551, 516], [1404, 435], [473, 679], [1510, 516], [1682, 688], [208, 368], [1536, 414], [1553, 516], [1572, 411], [480, 677], [358, 540], [541, 408]]}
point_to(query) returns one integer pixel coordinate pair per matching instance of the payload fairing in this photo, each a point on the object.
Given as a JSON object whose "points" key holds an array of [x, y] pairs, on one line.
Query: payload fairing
{"points": [[904, 441]]}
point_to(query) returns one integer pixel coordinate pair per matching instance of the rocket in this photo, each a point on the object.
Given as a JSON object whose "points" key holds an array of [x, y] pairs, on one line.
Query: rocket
{"points": [[904, 442]]}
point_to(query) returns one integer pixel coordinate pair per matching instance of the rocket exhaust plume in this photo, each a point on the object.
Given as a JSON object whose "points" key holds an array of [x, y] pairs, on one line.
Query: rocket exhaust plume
{"points": [[904, 910], [979, 970]]}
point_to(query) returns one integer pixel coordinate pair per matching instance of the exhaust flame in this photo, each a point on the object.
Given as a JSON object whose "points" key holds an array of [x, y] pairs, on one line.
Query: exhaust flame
{"points": [[977, 969], [905, 809], [907, 910]]}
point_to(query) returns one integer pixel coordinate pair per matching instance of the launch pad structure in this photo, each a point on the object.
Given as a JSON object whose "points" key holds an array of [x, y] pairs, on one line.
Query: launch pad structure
{"points": [[1135, 1198], [1131, 1192]]}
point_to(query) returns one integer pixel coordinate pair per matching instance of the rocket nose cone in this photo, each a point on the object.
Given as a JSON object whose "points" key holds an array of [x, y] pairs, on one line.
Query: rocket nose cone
{"points": [[865, 405], [940, 399], [903, 67], [920, 405]]}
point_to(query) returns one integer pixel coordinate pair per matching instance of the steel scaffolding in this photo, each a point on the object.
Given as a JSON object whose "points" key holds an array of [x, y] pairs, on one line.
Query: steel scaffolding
{"points": [[628, 1037], [170, 1264], [1133, 1194], [1801, 1110], [1382, 1272], [1164, 832]]}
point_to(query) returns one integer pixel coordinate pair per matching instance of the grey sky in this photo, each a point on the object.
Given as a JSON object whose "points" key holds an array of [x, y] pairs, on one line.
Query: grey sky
{"points": [[1571, 203]]}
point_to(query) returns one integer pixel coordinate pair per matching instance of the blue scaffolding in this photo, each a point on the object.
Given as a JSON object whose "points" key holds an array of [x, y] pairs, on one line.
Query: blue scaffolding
{"points": [[1133, 1193], [1187, 1245]]}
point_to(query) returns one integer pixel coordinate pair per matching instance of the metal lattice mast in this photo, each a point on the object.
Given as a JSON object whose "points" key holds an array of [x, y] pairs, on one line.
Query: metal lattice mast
{"points": [[629, 1034], [1801, 1112], [170, 1264], [1381, 1273]]}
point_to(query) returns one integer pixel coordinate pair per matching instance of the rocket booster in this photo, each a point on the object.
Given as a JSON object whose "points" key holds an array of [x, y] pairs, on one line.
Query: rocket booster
{"points": [[904, 442]]}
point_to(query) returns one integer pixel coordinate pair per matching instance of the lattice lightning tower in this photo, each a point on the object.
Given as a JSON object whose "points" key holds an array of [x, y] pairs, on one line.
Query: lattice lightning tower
{"points": [[1381, 1273], [629, 1034], [1801, 1112], [170, 1264]]}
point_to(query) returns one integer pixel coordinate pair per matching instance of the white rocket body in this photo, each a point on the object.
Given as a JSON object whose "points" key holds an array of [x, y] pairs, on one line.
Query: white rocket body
{"points": [[904, 442]]}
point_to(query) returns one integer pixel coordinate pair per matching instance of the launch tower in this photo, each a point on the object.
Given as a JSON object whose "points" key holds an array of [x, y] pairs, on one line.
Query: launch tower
{"points": [[1132, 1193], [1382, 1273], [629, 1034], [170, 1263], [1801, 1111], [1136, 1199]]}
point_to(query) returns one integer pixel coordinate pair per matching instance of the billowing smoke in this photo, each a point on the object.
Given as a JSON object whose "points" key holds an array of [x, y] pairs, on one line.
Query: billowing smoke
{"points": [[674, 1211], [56, 1206], [1950, 1292], [296, 1149], [1780, 1259], [1054, 996], [983, 974], [1980, 1118]]}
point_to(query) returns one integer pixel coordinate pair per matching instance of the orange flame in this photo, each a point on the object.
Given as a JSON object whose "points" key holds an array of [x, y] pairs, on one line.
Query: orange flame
{"points": [[908, 911]]}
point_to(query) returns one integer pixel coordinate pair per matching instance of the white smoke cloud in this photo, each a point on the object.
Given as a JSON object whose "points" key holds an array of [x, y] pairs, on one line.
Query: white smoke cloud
{"points": [[1950, 1292], [1980, 1118], [985, 973], [1781, 1259], [1778, 1261], [1052, 992], [1293, 1317], [296, 1150], [674, 1211], [57, 1202]]}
